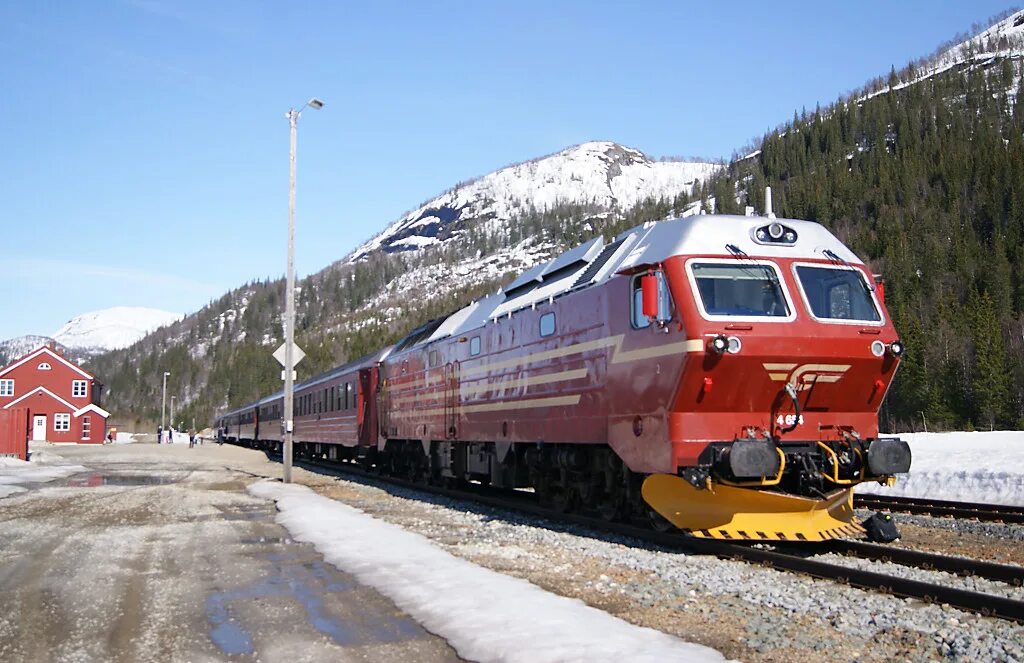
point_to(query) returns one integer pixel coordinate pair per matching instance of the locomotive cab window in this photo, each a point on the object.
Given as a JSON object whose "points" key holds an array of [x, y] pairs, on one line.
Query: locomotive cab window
{"points": [[547, 324], [434, 358], [474, 346], [836, 293], [739, 290], [641, 321]]}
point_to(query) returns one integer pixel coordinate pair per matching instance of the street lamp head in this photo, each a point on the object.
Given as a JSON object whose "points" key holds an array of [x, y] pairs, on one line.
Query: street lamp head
{"points": [[315, 103], [166, 373]]}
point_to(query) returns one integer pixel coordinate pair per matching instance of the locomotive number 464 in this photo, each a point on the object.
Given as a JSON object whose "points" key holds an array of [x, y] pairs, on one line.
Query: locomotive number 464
{"points": [[789, 420]]}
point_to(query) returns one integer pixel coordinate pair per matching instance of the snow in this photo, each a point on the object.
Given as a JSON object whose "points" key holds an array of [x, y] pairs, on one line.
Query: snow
{"points": [[970, 467], [484, 615], [600, 172], [43, 467], [112, 328]]}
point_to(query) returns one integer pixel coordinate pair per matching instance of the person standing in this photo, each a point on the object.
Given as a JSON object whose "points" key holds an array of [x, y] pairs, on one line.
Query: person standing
{"points": [[159, 434]]}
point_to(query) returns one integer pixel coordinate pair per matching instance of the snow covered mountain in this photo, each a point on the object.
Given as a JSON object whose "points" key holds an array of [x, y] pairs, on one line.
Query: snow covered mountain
{"points": [[112, 328], [602, 173]]}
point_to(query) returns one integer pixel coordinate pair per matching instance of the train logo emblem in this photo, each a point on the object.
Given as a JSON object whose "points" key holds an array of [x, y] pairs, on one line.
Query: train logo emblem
{"points": [[805, 375]]}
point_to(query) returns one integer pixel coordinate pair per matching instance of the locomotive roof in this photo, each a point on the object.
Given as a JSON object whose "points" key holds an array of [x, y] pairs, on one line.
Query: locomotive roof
{"points": [[648, 244], [595, 261]]}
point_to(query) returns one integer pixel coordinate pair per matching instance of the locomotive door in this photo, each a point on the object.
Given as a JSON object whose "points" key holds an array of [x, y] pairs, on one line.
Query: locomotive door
{"points": [[383, 387], [366, 414], [451, 400]]}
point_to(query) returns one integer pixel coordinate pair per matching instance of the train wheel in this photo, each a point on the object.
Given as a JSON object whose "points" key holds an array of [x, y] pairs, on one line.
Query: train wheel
{"points": [[563, 499], [658, 522]]}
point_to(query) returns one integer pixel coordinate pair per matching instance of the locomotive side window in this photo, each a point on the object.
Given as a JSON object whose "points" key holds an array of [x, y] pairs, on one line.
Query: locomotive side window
{"points": [[434, 358], [474, 346], [547, 324], [834, 293], [739, 290], [639, 320]]}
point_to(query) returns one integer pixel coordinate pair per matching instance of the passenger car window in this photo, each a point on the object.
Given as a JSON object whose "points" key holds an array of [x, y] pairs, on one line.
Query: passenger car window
{"points": [[740, 290], [547, 324], [833, 293]]}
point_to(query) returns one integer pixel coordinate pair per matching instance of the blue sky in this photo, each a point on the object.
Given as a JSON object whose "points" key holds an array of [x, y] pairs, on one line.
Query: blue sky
{"points": [[144, 155]]}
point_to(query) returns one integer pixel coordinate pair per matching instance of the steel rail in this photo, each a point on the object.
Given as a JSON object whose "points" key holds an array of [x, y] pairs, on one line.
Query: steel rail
{"points": [[989, 605], [962, 566], [963, 510]]}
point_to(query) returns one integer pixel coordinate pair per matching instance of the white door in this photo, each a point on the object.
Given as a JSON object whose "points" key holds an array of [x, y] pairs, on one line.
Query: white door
{"points": [[39, 427]]}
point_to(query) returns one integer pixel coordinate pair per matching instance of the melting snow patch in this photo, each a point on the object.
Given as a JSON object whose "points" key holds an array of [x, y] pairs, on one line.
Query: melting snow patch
{"points": [[973, 467], [14, 472], [484, 615]]}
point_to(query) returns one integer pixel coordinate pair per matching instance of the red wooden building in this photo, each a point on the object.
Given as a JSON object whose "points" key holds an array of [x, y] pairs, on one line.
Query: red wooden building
{"points": [[63, 400]]}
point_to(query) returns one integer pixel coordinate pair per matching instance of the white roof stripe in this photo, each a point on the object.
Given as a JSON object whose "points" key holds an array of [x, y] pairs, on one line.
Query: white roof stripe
{"points": [[46, 350], [92, 407], [44, 390]]}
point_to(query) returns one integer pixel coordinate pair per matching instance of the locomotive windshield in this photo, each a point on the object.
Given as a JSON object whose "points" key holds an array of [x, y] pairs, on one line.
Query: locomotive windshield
{"points": [[837, 294], [745, 290]]}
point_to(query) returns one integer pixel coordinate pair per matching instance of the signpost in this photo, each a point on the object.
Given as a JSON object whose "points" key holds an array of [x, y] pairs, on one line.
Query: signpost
{"points": [[283, 358]]}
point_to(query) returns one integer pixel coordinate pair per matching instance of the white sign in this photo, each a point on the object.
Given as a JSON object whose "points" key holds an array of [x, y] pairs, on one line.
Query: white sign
{"points": [[293, 375], [297, 354]]}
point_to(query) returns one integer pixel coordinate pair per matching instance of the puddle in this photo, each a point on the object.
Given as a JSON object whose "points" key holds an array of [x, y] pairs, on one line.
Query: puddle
{"points": [[309, 583], [94, 479]]}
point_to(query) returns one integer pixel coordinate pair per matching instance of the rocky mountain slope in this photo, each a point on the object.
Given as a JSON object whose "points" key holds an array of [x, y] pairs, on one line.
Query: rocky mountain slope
{"points": [[604, 174]]}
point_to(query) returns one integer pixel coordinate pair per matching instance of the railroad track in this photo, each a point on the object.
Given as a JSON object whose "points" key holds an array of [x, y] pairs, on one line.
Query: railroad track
{"points": [[962, 510], [788, 558]]}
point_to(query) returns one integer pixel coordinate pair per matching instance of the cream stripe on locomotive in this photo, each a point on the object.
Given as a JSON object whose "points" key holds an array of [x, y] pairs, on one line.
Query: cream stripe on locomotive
{"points": [[466, 390], [614, 342], [553, 401]]}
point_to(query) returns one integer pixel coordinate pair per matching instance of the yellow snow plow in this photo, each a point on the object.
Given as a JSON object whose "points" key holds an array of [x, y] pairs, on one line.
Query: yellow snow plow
{"points": [[735, 513]]}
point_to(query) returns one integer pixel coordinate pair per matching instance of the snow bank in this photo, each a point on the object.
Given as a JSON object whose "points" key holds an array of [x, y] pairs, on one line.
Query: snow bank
{"points": [[970, 467], [15, 473], [484, 615]]}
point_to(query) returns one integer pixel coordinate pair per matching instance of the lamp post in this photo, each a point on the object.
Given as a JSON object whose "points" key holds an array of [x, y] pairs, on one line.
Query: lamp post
{"points": [[172, 415], [163, 404], [289, 312]]}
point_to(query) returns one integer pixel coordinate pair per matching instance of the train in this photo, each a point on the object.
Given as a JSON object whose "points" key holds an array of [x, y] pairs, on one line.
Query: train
{"points": [[718, 374]]}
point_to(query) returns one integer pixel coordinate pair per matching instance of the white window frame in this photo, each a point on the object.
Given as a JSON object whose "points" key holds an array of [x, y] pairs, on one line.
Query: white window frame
{"points": [[741, 318], [86, 427], [44, 366], [6, 387], [74, 388], [838, 321], [550, 315], [61, 422]]}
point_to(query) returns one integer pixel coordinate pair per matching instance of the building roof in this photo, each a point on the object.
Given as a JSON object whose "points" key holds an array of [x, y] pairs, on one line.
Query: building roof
{"points": [[45, 350], [47, 392]]}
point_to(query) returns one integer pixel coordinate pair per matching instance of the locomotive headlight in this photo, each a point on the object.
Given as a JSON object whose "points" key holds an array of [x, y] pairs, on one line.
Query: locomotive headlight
{"points": [[762, 235], [791, 237], [733, 344], [877, 348], [896, 348], [719, 344], [775, 230]]}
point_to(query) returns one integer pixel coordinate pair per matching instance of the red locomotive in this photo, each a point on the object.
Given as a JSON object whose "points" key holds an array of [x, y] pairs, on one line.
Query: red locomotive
{"points": [[719, 373]]}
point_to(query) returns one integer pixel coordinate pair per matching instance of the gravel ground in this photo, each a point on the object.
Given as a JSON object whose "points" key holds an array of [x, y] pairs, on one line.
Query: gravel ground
{"points": [[747, 612]]}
